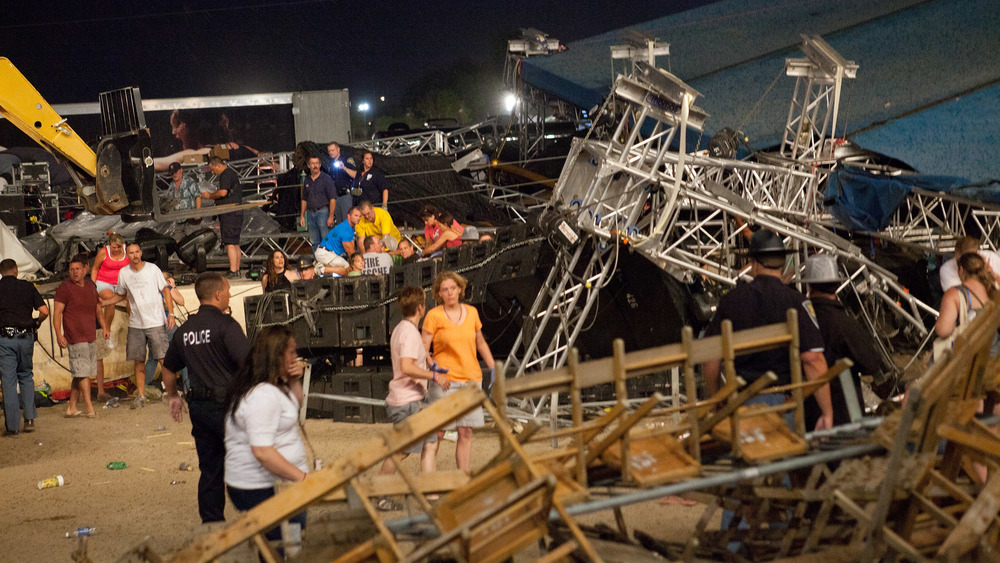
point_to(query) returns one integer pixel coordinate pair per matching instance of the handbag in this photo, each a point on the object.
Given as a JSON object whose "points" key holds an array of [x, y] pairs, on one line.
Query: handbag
{"points": [[941, 345]]}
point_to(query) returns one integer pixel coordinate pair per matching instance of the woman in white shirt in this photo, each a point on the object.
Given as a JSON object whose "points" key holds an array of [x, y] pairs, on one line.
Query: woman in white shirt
{"points": [[262, 434]]}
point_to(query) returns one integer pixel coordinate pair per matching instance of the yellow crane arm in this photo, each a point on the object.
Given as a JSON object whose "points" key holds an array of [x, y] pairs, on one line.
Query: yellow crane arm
{"points": [[22, 105]]}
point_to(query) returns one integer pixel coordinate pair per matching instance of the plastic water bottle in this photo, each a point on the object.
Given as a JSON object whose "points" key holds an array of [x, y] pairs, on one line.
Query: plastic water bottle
{"points": [[115, 465], [81, 532], [56, 481]]}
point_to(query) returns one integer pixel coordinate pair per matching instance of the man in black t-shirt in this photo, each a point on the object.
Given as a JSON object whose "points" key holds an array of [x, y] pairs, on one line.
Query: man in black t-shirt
{"points": [[230, 224], [765, 301], [17, 345], [211, 345]]}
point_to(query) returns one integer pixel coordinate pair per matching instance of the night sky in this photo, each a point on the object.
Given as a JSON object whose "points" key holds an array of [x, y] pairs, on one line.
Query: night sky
{"points": [[72, 51]]}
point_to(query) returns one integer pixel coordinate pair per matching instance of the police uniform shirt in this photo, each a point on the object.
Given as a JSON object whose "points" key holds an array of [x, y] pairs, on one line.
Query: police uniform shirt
{"points": [[341, 178], [211, 344], [765, 301], [844, 338], [20, 299]]}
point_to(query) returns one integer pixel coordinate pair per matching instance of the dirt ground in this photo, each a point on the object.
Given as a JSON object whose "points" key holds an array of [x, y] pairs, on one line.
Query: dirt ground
{"points": [[154, 498]]}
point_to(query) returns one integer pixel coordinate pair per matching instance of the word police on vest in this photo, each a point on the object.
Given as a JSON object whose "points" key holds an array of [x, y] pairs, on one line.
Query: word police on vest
{"points": [[198, 337]]}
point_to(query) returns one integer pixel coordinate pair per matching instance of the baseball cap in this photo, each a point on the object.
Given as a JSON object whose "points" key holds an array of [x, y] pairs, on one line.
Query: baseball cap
{"points": [[174, 167]]}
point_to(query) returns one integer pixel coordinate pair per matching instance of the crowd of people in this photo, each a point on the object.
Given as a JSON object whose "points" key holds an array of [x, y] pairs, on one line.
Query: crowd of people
{"points": [[243, 397]]}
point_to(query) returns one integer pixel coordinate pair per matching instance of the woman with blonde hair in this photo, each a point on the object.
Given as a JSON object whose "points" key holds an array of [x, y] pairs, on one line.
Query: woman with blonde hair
{"points": [[961, 303], [456, 333], [104, 273]]}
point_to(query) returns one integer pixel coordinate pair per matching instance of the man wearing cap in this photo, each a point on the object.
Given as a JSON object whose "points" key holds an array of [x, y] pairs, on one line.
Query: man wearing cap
{"points": [[307, 270], [765, 301], [842, 335], [184, 190]]}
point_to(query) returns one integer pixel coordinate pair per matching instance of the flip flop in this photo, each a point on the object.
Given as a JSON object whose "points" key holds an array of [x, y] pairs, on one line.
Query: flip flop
{"points": [[91, 415], [74, 415]]}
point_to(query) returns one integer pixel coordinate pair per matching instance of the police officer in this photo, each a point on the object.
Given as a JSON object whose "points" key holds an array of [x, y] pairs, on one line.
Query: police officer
{"points": [[17, 345], [343, 171], [843, 336], [765, 301], [211, 345]]}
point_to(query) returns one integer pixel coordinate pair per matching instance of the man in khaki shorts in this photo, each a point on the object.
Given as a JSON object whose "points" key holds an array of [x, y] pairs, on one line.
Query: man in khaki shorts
{"points": [[142, 283], [76, 306]]}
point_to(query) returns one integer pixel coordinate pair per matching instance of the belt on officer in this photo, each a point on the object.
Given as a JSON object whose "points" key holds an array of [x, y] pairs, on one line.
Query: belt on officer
{"points": [[16, 331], [204, 395]]}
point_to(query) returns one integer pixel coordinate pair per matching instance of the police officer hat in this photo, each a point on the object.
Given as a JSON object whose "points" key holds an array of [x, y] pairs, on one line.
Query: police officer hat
{"points": [[766, 243], [822, 268], [305, 262]]}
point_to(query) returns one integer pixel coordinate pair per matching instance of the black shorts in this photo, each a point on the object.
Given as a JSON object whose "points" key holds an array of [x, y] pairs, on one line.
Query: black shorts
{"points": [[230, 227]]}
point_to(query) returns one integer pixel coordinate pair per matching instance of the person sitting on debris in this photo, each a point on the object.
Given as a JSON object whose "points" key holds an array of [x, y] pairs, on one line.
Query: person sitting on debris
{"points": [[262, 422], [307, 270], [765, 301], [332, 253], [843, 337], [440, 230], [277, 275], [406, 251], [357, 265], [949, 270], [456, 333], [376, 221], [411, 377], [377, 260]]}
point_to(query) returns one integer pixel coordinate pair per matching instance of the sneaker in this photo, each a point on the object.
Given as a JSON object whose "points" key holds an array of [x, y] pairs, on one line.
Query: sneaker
{"points": [[139, 402], [234, 275], [29, 425], [9, 433], [386, 504]]}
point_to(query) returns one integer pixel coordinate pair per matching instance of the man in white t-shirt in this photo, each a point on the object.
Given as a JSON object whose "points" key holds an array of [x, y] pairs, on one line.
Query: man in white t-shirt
{"points": [[965, 245], [377, 260], [147, 292], [410, 377]]}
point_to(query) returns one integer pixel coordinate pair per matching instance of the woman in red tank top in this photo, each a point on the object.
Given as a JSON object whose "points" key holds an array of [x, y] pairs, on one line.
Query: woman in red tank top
{"points": [[104, 273]]}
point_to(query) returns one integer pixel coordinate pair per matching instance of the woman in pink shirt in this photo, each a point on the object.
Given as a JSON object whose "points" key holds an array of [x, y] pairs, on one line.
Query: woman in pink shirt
{"points": [[104, 272], [440, 229]]}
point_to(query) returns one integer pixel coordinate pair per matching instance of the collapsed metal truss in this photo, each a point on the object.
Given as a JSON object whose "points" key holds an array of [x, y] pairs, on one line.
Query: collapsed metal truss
{"points": [[457, 141], [812, 115], [690, 213]]}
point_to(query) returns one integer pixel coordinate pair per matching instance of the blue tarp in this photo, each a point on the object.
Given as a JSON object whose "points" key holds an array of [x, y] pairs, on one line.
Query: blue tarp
{"points": [[862, 201]]}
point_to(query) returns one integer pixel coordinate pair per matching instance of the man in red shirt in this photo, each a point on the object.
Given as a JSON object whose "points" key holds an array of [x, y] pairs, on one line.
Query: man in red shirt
{"points": [[76, 307]]}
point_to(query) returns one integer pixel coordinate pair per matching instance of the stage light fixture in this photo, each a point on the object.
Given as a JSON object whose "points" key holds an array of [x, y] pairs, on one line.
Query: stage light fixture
{"points": [[509, 101]]}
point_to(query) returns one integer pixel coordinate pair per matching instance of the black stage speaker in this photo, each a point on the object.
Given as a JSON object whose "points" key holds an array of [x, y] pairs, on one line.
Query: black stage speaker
{"points": [[12, 213], [193, 248]]}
